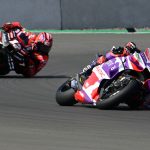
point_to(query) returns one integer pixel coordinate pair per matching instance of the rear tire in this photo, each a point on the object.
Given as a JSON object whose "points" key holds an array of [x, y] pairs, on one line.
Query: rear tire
{"points": [[65, 95], [120, 96], [4, 66]]}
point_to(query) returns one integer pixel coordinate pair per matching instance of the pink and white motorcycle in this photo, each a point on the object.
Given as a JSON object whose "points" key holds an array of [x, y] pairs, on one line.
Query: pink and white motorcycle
{"points": [[119, 80]]}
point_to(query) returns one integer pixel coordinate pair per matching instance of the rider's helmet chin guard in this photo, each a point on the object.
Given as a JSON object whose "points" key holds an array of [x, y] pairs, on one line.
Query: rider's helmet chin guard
{"points": [[43, 43], [43, 48]]}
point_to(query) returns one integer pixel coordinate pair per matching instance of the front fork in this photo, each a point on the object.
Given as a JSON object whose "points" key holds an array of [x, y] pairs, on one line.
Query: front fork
{"points": [[77, 86], [75, 83]]}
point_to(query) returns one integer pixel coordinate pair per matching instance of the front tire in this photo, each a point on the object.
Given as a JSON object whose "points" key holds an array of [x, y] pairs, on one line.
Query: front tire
{"points": [[65, 95]]}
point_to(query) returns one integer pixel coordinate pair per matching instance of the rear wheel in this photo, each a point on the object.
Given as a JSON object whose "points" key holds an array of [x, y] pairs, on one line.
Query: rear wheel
{"points": [[4, 66], [65, 95], [120, 91]]}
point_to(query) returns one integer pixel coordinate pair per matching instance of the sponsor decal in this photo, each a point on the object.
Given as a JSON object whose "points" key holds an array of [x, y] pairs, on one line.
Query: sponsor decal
{"points": [[100, 72]]}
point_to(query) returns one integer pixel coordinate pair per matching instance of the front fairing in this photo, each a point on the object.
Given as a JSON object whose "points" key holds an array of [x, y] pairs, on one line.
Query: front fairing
{"points": [[108, 71]]}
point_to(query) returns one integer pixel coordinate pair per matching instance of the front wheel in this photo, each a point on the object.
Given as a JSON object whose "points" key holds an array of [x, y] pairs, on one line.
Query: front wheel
{"points": [[65, 95], [127, 92]]}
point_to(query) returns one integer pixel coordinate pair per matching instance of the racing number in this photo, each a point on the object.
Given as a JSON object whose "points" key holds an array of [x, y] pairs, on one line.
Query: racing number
{"points": [[100, 72]]}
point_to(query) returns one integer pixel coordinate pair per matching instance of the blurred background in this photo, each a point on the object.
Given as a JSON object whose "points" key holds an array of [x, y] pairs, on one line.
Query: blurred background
{"points": [[76, 14]]}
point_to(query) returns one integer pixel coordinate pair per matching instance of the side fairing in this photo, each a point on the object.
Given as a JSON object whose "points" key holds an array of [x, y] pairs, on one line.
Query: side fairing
{"points": [[109, 70], [105, 71]]}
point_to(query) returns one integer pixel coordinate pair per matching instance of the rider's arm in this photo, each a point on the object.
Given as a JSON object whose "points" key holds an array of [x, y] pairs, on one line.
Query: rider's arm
{"points": [[99, 60], [109, 55], [13, 47], [117, 52]]}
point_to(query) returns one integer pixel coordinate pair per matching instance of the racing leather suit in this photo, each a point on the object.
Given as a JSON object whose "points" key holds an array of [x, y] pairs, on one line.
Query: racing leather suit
{"points": [[114, 52], [23, 48]]}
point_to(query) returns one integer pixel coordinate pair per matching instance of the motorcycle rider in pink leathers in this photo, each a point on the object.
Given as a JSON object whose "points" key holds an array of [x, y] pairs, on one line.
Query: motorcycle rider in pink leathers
{"points": [[129, 49]]}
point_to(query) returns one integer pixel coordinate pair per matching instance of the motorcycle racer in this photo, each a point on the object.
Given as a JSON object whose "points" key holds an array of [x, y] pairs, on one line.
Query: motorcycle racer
{"points": [[128, 49], [29, 50], [120, 80]]}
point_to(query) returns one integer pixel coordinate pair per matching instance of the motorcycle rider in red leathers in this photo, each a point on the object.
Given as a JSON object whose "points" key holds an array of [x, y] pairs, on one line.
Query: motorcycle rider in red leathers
{"points": [[26, 47]]}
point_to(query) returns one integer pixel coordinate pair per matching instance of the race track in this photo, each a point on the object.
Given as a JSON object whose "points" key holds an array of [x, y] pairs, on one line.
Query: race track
{"points": [[30, 119]]}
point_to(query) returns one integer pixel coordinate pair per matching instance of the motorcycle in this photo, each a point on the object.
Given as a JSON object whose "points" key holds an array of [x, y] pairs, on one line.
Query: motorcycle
{"points": [[119, 80]]}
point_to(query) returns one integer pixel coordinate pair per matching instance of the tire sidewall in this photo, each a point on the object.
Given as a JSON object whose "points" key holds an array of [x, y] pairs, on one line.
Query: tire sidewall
{"points": [[65, 98], [126, 93]]}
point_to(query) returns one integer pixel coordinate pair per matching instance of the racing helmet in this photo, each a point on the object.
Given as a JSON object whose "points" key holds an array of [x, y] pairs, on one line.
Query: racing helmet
{"points": [[117, 50], [131, 47], [11, 25], [43, 43]]}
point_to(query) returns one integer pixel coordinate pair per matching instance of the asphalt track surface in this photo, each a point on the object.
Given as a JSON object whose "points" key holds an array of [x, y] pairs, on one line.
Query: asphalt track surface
{"points": [[30, 118]]}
